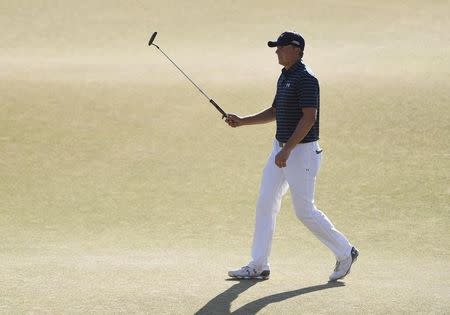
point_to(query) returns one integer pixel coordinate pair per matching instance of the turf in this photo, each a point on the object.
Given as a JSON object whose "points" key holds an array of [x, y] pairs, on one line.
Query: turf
{"points": [[122, 191]]}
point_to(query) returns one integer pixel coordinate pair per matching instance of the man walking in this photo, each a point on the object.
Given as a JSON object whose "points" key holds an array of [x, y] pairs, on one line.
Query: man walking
{"points": [[293, 164]]}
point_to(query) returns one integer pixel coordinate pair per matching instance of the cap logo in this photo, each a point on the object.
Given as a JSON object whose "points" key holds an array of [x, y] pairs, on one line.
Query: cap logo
{"points": [[295, 42]]}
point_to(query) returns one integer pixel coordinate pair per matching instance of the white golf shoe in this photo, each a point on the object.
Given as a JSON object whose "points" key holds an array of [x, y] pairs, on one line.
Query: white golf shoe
{"points": [[249, 272], [343, 267]]}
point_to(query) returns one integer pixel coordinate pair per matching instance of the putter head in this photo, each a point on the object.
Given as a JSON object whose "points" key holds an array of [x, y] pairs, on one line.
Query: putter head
{"points": [[150, 42]]}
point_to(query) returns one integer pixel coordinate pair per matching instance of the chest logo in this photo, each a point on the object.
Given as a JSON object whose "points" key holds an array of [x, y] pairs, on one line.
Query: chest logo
{"points": [[288, 85]]}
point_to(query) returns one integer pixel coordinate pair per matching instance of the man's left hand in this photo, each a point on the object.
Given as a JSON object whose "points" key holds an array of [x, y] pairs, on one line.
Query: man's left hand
{"points": [[282, 157]]}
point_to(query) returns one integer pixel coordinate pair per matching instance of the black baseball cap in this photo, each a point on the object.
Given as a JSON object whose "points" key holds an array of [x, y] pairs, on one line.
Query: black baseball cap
{"points": [[288, 38]]}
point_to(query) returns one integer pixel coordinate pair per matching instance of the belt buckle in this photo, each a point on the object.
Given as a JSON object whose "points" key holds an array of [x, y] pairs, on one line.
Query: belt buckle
{"points": [[281, 144]]}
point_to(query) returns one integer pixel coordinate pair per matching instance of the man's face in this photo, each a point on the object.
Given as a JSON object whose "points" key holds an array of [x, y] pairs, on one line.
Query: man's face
{"points": [[287, 55]]}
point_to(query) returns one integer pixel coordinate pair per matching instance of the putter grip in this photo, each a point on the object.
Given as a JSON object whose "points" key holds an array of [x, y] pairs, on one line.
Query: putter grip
{"points": [[218, 108]]}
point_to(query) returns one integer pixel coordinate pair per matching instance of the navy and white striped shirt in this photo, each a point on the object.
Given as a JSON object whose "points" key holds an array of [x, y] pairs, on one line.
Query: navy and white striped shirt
{"points": [[296, 88]]}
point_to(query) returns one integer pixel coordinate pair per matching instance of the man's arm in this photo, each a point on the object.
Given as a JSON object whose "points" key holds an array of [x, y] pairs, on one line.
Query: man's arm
{"points": [[303, 127], [266, 116]]}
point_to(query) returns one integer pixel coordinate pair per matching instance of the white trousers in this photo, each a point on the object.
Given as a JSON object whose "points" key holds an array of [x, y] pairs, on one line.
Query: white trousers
{"points": [[299, 176]]}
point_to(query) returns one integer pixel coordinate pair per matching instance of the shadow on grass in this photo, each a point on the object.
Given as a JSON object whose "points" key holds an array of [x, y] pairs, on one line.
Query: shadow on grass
{"points": [[221, 304]]}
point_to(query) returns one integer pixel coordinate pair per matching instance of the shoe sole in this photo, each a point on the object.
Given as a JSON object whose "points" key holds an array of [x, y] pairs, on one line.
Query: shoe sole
{"points": [[354, 258], [263, 276]]}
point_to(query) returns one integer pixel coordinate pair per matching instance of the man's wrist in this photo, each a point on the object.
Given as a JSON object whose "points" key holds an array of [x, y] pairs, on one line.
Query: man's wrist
{"points": [[289, 146], [245, 120], [292, 143]]}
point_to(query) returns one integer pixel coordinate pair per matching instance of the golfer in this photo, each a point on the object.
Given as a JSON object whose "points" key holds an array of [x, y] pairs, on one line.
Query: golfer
{"points": [[293, 163]]}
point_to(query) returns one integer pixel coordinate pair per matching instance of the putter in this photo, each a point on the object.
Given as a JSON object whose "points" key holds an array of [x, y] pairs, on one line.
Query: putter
{"points": [[150, 42]]}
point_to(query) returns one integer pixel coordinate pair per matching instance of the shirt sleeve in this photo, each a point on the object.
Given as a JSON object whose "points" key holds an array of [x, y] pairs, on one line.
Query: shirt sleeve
{"points": [[308, 92]]}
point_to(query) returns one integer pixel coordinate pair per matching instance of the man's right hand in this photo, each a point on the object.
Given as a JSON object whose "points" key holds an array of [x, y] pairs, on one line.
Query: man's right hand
{"points": [[234, 120]]}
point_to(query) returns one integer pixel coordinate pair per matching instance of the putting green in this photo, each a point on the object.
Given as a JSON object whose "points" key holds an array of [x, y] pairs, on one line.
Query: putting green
{"points": [[122, 191]]}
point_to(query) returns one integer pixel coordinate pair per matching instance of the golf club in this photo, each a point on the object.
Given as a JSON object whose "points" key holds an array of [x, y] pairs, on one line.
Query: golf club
{"points": [[150, 42]]}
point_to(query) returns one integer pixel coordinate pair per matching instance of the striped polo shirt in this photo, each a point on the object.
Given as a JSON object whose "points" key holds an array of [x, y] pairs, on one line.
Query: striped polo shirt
{"points": [[296, 88]]}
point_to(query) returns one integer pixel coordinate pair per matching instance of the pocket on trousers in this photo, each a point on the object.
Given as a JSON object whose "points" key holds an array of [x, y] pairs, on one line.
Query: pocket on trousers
{"points": [[315, 158]]}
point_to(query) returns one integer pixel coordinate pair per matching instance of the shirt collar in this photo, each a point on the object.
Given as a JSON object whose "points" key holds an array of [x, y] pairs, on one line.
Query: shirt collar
{"points": [[296, 66]]}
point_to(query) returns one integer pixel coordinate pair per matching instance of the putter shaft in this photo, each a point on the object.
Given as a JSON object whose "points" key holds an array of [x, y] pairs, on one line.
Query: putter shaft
{"points": [[224, 115]]}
